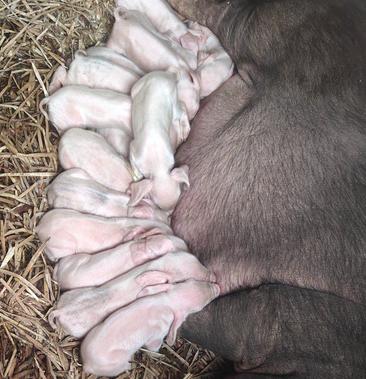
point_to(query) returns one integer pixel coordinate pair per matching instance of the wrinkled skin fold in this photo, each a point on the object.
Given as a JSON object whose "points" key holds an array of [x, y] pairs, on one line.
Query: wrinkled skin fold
{"points": [[277, 203]]}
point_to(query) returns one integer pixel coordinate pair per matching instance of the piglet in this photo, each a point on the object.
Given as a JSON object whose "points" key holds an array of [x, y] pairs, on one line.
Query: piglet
{"points": [[70, 232], [136, 37], [80, 310], [159, 126], [108, 348], [114, 57], [89, 151], [214, 63], [84, 270], [75, 189], [160, 14], [81, 107], [94, 72]]}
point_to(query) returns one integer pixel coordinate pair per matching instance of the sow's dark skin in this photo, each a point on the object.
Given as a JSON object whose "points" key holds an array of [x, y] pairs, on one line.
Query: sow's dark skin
{"points": [[277, 204]]}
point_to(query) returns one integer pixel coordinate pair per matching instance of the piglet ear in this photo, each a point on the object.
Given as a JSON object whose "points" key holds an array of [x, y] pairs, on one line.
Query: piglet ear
{"points": [[190, 41], [81, 53], [139, 190], [119, 12], [153, 278], [205, 58], [153, 290], [180, 175]]}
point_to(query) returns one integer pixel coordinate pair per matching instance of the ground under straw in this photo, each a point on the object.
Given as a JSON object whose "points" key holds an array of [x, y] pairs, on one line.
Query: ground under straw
{"points": [[35, 37]]}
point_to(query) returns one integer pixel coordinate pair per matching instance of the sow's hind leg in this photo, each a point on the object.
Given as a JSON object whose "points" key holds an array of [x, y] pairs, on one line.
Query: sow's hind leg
{"points": [[281, 330]]}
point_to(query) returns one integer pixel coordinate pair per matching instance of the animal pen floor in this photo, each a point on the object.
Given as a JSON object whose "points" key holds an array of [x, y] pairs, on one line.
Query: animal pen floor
{"points": [[35, 37]]}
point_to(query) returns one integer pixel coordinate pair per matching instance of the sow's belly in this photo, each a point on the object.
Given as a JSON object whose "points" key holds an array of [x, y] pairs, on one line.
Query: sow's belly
{"points": [[204, 217]]}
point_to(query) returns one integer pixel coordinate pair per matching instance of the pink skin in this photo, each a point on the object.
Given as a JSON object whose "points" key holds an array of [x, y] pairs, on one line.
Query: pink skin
{"points": [[118, 139], [161, 15], [68, 232], [188, 90], [89, 151], [114, 57], [75, 189], [108, 348], [79, 310], [136, 37], [85, 270], [81, 107], [159, 126], [94, 72], [214, 64]]}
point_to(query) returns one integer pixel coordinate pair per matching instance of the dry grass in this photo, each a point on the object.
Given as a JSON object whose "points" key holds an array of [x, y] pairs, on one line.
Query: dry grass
{"points": [[35, 37]]}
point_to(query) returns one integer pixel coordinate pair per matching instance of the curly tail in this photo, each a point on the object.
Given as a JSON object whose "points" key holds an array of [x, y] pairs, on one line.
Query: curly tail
{"points": [[42, 105], [52, 319], [81, 53]]}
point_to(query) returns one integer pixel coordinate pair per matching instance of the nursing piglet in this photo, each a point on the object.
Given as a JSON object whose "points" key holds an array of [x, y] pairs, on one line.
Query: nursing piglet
{"points": [[81, 107], [94, 72], [89, 151], [84, 270], [214, 63], [69, 232], [160, 14], [80, 310], [159, 126], [75, 189], [136, 37], [108, 348]]}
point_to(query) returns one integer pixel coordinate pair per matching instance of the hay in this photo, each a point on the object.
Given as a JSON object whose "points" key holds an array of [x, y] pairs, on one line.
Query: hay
{"points": [[35, 37]]}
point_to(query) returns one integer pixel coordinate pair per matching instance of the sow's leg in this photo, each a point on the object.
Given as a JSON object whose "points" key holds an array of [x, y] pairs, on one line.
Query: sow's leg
{"points": [[282, 330]]}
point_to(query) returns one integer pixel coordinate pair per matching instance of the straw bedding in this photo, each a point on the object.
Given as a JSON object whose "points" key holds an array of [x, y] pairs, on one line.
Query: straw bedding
{"points": [[35, 37]]}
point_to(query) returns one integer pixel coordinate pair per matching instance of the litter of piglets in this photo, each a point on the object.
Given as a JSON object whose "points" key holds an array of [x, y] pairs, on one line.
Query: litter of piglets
{"points": [[122, 110]]}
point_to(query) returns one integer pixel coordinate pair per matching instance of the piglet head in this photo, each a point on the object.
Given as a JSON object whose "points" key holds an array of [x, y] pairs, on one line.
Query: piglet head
{"points": [[164, 190], [188, 88]]}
